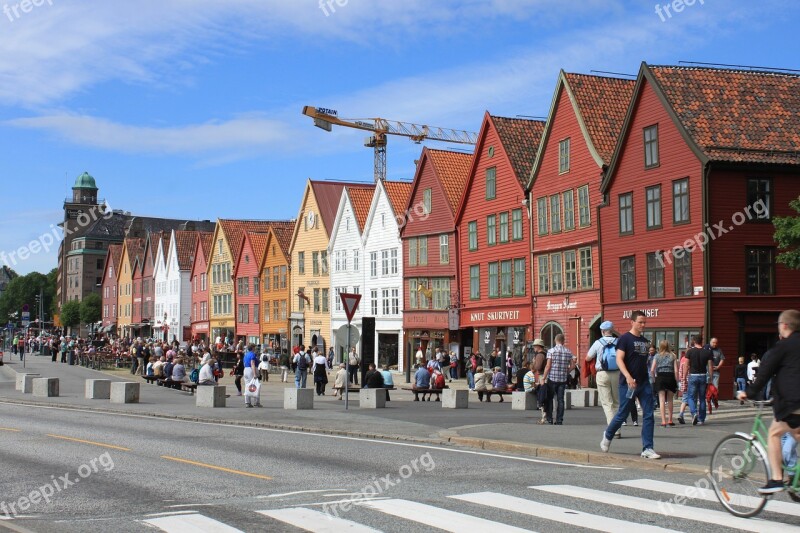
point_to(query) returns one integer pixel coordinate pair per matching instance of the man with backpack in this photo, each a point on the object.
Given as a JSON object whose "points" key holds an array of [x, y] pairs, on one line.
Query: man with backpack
{"points": [[303, 361], [604, 351]]}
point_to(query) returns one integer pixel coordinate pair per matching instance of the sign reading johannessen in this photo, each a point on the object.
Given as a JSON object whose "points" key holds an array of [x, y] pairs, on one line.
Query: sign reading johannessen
{"points": [[494, 316]]}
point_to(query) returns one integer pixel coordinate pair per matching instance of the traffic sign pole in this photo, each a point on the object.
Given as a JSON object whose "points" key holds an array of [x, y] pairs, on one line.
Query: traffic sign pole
{"points": [[347, 369], [350, 304]]}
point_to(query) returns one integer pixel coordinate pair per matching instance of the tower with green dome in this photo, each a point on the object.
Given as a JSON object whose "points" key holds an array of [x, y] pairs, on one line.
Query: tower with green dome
{"points": [[85, 190]]}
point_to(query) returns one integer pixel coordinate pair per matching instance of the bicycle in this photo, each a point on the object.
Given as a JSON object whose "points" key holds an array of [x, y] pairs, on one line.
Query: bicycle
{"points": [[739, 466]]}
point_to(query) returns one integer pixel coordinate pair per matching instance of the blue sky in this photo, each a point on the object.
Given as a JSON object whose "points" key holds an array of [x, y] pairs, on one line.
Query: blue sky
{"points": [[191, 108]]}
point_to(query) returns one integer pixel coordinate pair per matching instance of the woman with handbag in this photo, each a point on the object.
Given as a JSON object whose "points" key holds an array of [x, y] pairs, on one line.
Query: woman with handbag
{"points": [[320, 372]]}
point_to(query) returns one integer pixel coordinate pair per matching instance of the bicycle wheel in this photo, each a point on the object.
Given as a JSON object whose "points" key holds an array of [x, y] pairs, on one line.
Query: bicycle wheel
{"points": [[737, 470]]}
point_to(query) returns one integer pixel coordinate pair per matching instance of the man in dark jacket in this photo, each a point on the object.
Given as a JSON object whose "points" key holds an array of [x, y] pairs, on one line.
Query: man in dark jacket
{"points": [[373, 378], [783, 367]]}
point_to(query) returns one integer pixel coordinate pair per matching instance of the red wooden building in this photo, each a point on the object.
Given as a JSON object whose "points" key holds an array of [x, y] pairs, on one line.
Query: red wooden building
{"points": [[706, 158], [109, 287], [493, 237], [248, 262], [430, 254], [199, 282], [582, 129]]}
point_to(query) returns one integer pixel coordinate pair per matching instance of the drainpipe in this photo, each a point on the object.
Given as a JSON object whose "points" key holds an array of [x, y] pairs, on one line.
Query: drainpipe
{"points": [[705, 172]]}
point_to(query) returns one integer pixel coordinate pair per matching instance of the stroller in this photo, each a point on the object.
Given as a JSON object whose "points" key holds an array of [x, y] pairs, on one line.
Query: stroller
{"points": [[712, 398]]}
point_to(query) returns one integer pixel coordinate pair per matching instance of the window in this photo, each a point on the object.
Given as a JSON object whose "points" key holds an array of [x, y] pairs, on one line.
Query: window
{"points": [[504, 226], [325, 300], [505, 277], [256, 286], [256, 313], [583, 206], [626, 213], [393, 255], [683, 273], [373, 264], [267, 280], [413, 300], [556, 281], [412, 251], [474, 282], [493, 292], [569, 210], [759, 194], [337, 304], [385, 262], [383, 220], [516, 224], [301, 263], [541, 215], [519, 277], [653, 202], [444, 249], [627, 273], [355, 260], [424, 303], [276, 278], [655, 275], [651, 147], [315, 263], [284, 275], [385, 301], [395, 301], [680, 201], [422, 242], [491, 230], [555, 213], [374, 301], [338, 261], [283, 310], [316, 301], [244, 313], [491, 183], [324, 260], [570, 271], [276, 311], [544, 274], [441, 293], [472, 230], [563, 156], [219, 246], [426, 202], [203, 282], [587, 278]]}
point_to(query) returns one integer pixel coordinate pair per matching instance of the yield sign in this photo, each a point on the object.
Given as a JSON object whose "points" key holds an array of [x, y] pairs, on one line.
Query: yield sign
{"points": [[350, 303]]}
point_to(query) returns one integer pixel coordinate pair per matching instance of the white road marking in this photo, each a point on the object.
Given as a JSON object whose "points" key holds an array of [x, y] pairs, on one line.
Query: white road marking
{"points": [[170, 513], [556, 514], [191, 523], [316, 521], [190, 505], [299, 492], [346, 500], [696, 493], [321, 435], [438, 518], [707, 516]]}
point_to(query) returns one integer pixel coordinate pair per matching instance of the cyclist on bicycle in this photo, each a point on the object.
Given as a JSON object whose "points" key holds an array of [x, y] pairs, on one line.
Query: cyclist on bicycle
{"points": [[783, 367]]}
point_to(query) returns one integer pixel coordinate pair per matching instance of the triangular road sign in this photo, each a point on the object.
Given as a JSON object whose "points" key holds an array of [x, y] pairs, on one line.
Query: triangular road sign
{"points": [[350, 303]]}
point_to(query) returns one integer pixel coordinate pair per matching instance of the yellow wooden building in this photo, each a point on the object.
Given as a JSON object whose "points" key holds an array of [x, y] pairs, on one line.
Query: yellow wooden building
{"points": [[132, 249], [276, 303]]}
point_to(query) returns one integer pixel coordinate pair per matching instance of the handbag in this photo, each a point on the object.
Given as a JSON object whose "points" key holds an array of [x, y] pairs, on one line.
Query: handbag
{"points": [[253, 388]]}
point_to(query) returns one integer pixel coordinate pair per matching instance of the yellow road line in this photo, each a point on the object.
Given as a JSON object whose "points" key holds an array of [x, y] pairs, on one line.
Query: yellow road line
{"points": [[89, 442], [204, 465], [10, 429]]}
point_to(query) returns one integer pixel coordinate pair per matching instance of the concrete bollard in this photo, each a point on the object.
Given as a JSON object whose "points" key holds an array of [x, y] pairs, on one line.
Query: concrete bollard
{"points": [[577, 398], [25, 382], [372, 398], [98, 389], [523, 401], [297, 399], [45, 387], [455, 399], [593, 397], [210, 396], [125, 392]]}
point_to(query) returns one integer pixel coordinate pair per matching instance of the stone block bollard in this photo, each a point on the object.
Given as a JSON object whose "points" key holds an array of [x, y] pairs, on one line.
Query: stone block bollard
{"points": [[98, 389], [125, 392], [455, 399], [45, 387], [25, 382], [372, 398], [210, 396], [523, 401], [297, 399]]}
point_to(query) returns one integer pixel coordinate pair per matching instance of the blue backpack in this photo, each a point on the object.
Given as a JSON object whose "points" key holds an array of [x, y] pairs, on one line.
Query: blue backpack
{"points": [[194, 376], [608, 357]]}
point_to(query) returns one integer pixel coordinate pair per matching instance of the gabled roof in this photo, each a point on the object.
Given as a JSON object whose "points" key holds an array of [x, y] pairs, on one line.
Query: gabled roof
{"points": [[452, 168], [520, 139], [360, 200], [735, 115], [113, 258], [283, 236], [185, 246], [328, 194], [259, 243], [398, 193], [135, 252], [235, 230]]}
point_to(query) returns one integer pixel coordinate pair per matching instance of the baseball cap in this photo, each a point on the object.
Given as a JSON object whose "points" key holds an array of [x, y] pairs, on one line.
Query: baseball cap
{"points": [[607, 325]]}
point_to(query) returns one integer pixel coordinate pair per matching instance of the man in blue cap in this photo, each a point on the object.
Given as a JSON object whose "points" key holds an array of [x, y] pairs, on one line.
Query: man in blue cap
{"points": [[604, 352]]}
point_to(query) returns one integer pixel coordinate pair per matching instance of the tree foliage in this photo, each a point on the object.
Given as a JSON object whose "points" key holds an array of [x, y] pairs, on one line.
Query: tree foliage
{"points": [[787, 235], [71, 314], [91, 308], [24, 290]]}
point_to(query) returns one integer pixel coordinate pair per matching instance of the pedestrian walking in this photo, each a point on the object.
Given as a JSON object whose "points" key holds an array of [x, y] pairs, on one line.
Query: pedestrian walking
{"points": [[683, 386], [320, 371], [250, 373], [470, 366], [740, 376], [302, 362], [284, 362], [509, 365], [718, 359], [632, 350], [340, 382], [701, 364], [264, 368], [238, 372], [353, 360], [604, 353], [665, 368], [560, 361]]}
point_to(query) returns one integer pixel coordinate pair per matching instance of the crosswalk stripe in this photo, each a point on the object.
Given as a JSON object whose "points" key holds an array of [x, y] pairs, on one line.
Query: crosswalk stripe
{"points": [[436, 517], [696, 493], [554, 513], [317, 521], [191, 523], [675, 511]]}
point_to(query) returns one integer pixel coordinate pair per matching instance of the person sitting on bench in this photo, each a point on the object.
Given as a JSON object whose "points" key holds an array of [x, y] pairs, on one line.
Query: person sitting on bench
{"points": [[422, 381]]}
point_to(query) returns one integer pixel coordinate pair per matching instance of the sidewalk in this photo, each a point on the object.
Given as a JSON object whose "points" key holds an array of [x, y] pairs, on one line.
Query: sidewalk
{"points": [[489, 426]]}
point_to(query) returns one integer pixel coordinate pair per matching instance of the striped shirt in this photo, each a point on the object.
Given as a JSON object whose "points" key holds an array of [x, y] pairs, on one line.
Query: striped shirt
{"points": [[560, 358]]}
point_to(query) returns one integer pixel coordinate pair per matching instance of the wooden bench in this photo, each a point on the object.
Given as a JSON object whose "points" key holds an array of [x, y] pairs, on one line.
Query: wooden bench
{"points": [[429, 392], [152, 379], [189, 387], [500, 393]]}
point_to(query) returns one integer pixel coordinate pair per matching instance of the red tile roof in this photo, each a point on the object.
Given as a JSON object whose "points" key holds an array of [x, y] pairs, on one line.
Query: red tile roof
{"points": [[736, 115], [520, 139], [259, 243], [115, 251], [398, 193], [453, 171], [205, 244], [234, 232], [603, 103], [283, 235], [185, 246], [361, 200], [135, 251], [328, 194]]}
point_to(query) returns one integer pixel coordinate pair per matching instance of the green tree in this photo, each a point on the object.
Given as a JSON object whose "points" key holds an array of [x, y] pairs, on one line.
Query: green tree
{"points": [[787, 235], [71, 314], [91, 308], [23, 290]]}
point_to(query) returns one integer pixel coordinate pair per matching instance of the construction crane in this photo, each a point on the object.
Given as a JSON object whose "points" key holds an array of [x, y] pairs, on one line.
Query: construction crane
{"points": [[380, 127]]}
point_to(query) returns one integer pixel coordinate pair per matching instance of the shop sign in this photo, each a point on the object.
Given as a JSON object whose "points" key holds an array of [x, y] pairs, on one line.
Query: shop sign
{"points": [[562, 305], [649, 313], [726, 289], [452, 319], [494, 316]]}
